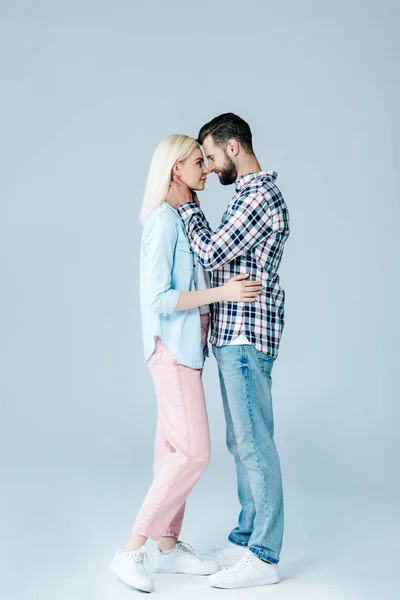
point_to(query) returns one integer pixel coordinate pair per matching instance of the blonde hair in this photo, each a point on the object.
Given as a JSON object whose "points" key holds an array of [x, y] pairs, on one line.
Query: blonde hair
{"points": [[174, 148]]}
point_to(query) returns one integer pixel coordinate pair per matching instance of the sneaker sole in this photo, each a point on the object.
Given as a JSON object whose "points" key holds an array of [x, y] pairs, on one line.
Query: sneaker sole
{"points": [[166, 571], [141, 588], [234, 586]]}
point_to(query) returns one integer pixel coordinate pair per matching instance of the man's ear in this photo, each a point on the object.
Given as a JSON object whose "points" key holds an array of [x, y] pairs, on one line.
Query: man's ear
{"points": [[233, 147]]}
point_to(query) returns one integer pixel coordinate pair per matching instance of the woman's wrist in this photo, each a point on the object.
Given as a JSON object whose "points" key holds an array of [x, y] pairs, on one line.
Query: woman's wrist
{"points": [[220, 293]]}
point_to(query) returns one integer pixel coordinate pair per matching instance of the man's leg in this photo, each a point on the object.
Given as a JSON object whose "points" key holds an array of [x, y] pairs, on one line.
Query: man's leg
{"points": [[246, 374], [243, 531]]}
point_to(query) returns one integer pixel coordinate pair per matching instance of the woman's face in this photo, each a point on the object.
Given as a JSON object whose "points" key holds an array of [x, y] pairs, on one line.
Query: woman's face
{"points": [[192, 171]]}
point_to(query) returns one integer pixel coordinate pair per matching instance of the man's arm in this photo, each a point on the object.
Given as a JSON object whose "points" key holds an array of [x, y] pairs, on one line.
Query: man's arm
{"points": [[245, 224], [160, 239]]}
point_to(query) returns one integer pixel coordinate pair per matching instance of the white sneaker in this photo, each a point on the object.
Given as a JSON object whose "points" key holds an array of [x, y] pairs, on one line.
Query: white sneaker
{"points": [[248, 572], [228, 555], [130, 567], [184, 559]]}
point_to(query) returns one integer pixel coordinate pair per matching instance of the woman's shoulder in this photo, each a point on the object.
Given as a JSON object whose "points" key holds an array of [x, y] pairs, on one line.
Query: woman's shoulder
{"points": [[162, 218], [161, 213]]}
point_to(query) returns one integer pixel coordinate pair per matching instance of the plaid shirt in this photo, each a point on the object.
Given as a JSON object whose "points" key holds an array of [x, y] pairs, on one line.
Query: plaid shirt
{"points": [[250, 239]]}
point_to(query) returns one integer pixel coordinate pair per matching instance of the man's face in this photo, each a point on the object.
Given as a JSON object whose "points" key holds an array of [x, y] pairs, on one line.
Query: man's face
{"points": [[219, 162]]}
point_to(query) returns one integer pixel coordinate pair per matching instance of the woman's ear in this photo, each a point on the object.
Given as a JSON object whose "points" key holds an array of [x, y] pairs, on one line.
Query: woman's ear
{"points": [[176, 170]]}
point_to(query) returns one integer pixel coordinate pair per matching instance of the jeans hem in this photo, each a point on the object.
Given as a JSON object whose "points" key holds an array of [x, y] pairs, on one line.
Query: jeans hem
{"points": [[144, 533], [264, 556], [235, 541]]}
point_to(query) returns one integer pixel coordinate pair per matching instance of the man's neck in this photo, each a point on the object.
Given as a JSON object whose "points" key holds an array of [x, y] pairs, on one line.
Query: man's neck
{"points": [[249, 164]]}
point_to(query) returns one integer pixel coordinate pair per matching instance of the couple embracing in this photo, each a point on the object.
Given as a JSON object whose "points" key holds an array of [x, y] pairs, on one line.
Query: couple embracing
{"points": [[195, 284]]}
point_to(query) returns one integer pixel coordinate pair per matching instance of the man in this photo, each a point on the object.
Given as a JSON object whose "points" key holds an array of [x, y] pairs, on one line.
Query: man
{"points": [[245, 339]]}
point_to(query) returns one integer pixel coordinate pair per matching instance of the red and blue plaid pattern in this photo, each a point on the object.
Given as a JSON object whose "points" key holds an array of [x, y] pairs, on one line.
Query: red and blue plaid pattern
{"points": [[250, 239]]}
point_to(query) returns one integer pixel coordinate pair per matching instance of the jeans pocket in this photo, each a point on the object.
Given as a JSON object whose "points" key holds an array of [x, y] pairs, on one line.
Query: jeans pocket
{"points": [[157, 354], [266, 363]]}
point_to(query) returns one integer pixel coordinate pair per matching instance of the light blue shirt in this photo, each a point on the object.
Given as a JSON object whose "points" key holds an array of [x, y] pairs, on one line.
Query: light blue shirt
{"points": [[167, 267]]}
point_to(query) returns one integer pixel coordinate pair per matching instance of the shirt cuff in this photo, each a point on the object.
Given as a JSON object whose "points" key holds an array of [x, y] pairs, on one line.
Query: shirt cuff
{"points": [[188, 209], [170, 301]]}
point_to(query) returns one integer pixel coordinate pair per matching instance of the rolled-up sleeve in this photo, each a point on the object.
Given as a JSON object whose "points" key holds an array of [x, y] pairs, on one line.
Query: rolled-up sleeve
{"points": [[245, 223], [160, 241]]}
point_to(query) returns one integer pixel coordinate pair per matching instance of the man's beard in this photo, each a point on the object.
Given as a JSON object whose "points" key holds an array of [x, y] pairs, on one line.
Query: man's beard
{"points": [[228, 171]]}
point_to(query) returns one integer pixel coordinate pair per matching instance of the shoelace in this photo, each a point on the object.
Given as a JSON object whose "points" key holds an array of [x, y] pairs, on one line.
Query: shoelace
{"points": [[221, 548], [188, 549], [138, 557], [245, 560]]}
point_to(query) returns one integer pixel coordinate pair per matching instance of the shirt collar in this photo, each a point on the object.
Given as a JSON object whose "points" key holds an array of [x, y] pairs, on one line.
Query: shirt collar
{"points": [[248, 178]]}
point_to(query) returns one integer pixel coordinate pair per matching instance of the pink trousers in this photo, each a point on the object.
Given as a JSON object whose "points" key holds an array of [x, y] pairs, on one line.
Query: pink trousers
{"points": [[182, 446]]}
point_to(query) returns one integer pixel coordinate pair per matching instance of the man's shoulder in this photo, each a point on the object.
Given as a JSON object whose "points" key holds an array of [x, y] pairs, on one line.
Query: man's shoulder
{"points": [[261, 189], [262, 183]]}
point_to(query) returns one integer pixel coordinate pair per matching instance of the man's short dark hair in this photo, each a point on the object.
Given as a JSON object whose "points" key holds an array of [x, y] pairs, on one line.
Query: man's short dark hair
{"points": [[226, 127]]}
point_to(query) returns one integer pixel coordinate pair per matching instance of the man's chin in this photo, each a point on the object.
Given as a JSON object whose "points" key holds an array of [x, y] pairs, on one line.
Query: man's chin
{"points": [[223, 181]]}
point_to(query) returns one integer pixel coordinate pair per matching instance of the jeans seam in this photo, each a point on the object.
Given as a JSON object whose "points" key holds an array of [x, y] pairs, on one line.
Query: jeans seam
{"points": [[249, 412], [184, 409], [168, 491], [252, 512], [175, 525]]}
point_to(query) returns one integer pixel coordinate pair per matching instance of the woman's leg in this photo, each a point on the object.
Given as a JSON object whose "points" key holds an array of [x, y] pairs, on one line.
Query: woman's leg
{"points": [[170, 537], [183, 417]]}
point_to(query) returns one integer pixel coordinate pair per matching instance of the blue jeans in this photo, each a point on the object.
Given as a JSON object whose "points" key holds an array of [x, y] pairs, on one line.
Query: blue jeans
{"points": [[245, 378]]}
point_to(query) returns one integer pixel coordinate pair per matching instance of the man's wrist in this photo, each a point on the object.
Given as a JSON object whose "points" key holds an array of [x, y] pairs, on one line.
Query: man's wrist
{"points": [[187, 209]]}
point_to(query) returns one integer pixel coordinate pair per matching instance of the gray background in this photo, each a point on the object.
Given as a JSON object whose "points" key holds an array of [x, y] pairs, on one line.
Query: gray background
{"points": [[88, 89]]}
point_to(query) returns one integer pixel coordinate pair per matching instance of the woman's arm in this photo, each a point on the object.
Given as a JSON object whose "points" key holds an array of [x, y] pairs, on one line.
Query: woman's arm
{"points": [[236, 290], [160, 237], [160, 242]]}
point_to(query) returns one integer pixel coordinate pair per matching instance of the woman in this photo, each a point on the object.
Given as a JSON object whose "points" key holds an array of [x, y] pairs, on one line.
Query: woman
{"points": [[175, 298]]}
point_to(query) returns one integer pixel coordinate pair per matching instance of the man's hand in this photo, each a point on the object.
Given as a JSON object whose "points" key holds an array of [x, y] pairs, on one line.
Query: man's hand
{"points": [[195, 198], [179, 193]]}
